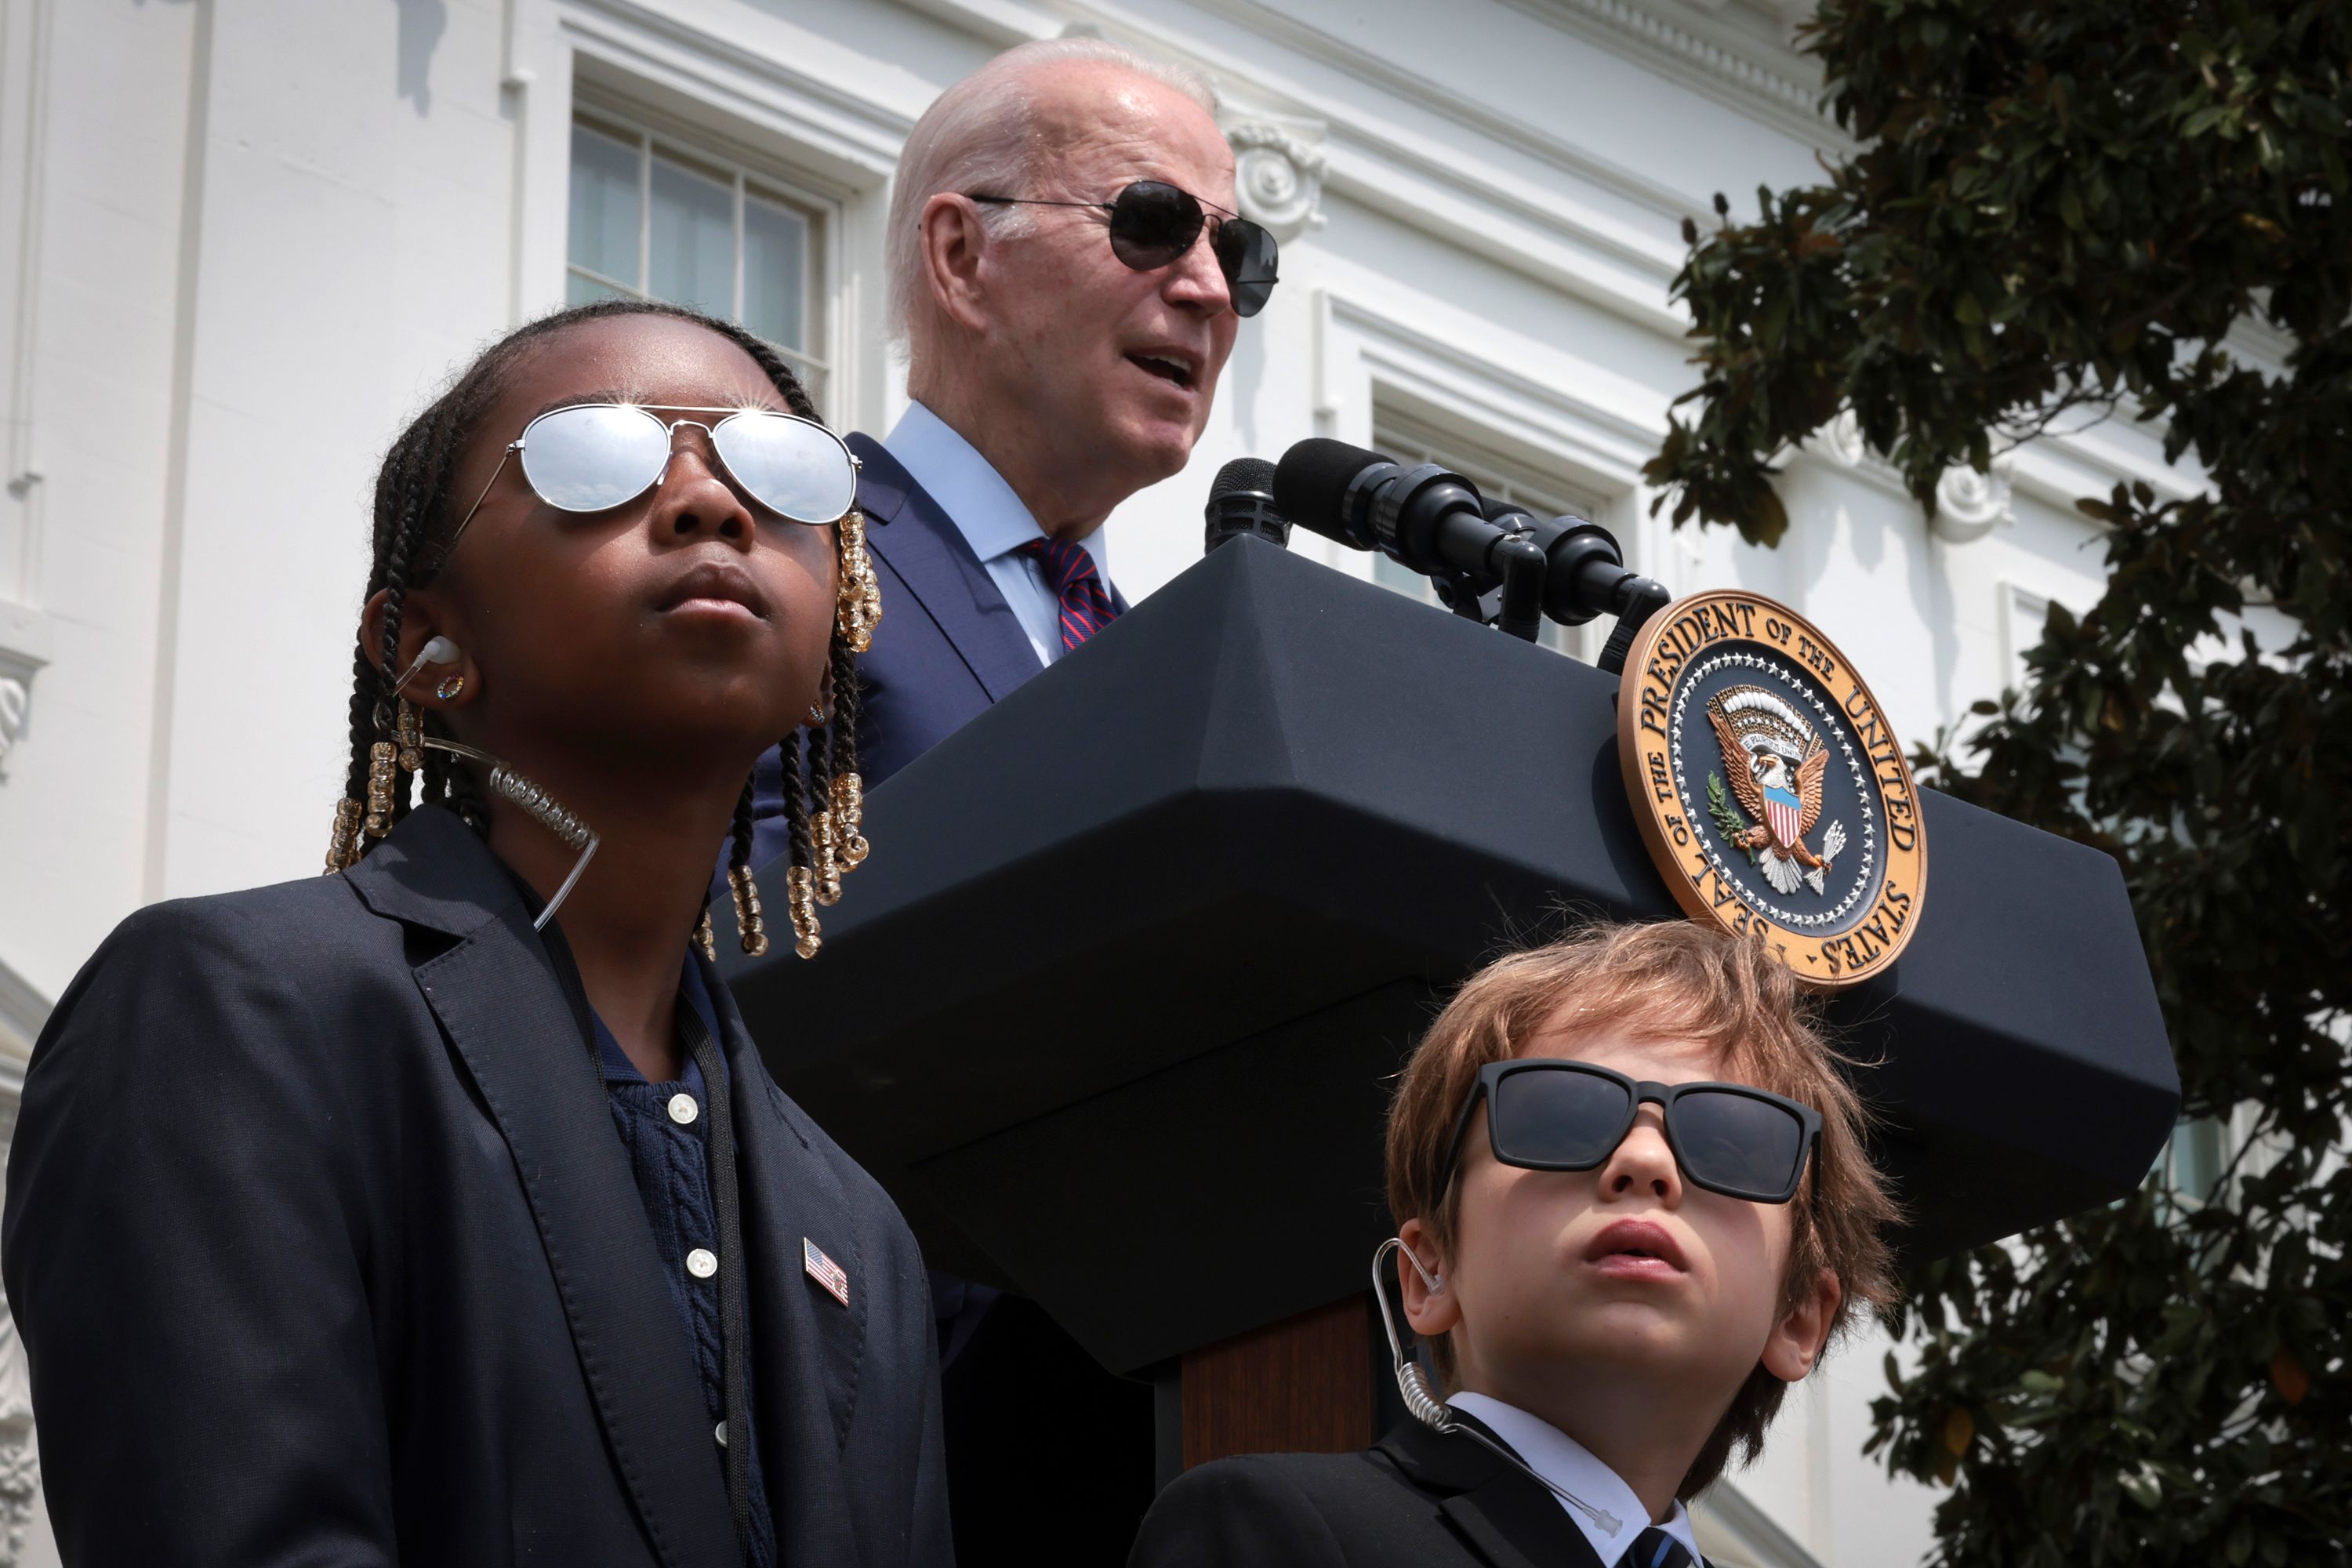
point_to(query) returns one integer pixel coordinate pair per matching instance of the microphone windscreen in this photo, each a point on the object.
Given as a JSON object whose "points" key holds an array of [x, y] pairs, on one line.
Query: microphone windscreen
{"points": [[1251, 474], [1311, 481]]}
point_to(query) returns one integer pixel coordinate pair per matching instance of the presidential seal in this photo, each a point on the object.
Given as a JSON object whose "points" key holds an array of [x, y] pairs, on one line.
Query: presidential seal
{"points": [[1769, 787]]}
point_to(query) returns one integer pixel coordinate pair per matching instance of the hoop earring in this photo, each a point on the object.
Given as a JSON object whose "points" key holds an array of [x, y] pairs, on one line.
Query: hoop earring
{"points": [[451, 685]]}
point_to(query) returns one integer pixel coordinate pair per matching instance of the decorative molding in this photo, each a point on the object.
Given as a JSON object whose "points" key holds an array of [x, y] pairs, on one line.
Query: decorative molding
{"points": [[20, 1462], [1842, 440], [23, 1013], [25, 643], [20, 1459], [1279, 170], [1542, 227], [1763, 77], [1599, 448], [16, 699], [1969, 505]]}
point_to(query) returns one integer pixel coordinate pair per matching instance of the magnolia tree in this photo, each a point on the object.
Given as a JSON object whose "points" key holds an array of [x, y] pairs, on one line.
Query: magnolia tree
{"points": [[2054, 211]]}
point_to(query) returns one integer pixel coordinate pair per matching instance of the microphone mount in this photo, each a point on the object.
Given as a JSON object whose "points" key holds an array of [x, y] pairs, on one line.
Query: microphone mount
{"points": [[1492, 563]]}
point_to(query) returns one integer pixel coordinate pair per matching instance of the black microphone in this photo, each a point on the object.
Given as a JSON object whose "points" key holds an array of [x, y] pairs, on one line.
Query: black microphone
{"points": [[1424, 516], [1585, 576], [1241, 502]]}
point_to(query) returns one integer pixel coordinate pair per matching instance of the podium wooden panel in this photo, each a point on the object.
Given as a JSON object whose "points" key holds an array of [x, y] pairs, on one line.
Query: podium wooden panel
{"points": [[1303, 1385]]}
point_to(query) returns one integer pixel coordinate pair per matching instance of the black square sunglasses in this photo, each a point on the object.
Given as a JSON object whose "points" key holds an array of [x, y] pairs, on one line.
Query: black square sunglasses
{"points": [[1551, 1115], [1152, 223]]}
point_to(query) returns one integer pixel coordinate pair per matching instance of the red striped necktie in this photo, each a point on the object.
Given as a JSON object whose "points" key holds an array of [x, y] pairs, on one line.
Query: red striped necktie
{"points": [[1086, 606]]}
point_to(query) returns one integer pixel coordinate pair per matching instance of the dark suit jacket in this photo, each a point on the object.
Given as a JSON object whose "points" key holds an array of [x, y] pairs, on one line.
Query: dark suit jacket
{"points": [[1417, 1500], [324, 1249], [948, 647], [1021, 1399]]}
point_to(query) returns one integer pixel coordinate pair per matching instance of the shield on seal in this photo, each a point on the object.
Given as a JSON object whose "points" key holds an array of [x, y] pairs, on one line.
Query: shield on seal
{"points": [[1784, 811]]}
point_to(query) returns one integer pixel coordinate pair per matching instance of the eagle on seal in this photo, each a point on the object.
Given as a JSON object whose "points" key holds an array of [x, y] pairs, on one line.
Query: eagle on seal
{"points": [[1777, 764]]}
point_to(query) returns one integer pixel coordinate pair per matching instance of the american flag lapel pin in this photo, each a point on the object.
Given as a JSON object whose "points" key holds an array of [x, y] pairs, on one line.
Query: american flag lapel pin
{"points": [[824, 1270]]}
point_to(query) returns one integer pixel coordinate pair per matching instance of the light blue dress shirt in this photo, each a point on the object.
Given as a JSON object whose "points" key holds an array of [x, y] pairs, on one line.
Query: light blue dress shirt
{"points": [[1572, 1467], [991, 518]]}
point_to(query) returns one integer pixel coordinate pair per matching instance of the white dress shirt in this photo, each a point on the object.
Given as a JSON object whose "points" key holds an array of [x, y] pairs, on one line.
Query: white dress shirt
{"points": [[1569, 1466], [991, 518]]}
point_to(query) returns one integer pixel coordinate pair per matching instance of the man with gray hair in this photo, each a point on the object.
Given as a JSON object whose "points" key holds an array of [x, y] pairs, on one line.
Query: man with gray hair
{"points": [[1068, 273]]}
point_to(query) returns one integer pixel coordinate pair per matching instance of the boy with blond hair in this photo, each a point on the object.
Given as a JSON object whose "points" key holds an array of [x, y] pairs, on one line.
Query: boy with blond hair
{"points": [[1635, 1208]]}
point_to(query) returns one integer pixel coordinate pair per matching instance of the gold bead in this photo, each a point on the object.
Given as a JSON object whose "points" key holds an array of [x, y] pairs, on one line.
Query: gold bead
{"points": [[858, 599], [410, 727], [343, 845], [705, 938], [382, 775], [849, 815], [823, 841], [751, 928], [799, 896]]}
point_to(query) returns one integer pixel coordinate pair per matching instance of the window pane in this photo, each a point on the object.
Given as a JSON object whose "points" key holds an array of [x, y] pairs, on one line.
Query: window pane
{"points": [[693, 242], [579, 290], [775, 271], [1395, 575], [604, 205]]}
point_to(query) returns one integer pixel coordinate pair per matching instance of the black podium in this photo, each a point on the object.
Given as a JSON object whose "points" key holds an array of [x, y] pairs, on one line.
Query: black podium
{"points": [[1113, 1008]]}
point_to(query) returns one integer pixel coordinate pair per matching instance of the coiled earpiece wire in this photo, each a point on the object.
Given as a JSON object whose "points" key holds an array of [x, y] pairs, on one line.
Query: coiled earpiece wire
{"points": [[541, 807], [1422, 1401]]}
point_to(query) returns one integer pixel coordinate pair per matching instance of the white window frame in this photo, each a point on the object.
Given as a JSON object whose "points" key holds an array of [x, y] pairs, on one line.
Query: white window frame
{"points": [[1412, 435], [715, 81], [1549, 422], [707, 156]]}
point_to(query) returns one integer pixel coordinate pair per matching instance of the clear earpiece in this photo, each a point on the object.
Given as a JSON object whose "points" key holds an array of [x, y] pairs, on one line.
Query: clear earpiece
{"points": [[1420, 1401], [440, 650]]}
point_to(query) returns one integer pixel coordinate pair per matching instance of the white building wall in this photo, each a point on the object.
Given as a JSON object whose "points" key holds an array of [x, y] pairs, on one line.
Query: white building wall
{"points": [[242, 240]]}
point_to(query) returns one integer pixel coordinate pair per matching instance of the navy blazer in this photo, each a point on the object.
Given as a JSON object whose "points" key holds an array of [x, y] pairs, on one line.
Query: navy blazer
{"points": [[948, 647], [1417, 1500], [324, 1249]]}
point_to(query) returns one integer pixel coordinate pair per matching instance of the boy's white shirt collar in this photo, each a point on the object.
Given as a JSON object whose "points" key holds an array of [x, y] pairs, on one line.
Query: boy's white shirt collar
{"points": [[1570, 1466]]}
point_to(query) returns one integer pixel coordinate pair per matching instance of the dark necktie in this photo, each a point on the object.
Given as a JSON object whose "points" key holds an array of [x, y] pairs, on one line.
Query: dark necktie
{"points": [[1086, 606], [1654, 1548]]}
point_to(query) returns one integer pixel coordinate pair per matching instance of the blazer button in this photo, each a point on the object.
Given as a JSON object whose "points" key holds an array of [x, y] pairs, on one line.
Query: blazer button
{"points": [[702, 1263], [682, 1109], [720, 1432]]}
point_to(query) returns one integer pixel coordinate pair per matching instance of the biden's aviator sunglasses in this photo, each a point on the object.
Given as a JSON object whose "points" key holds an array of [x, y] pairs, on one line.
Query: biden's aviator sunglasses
{"points": [[1152, 223], [592, 456], [1552, 1115]]}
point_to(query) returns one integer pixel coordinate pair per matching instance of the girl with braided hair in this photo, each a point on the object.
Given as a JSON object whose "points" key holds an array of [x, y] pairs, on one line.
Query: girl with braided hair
{"points": [[441, 1210]]}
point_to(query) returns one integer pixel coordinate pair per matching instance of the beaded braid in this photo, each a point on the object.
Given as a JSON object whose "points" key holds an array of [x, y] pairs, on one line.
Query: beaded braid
{"points": [[846, 789], [822, 841], [751, 929], [414, 515], [800, 879]]}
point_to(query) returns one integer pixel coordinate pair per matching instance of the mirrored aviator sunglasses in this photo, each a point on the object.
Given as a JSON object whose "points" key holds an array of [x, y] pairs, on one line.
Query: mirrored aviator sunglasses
{"points": [[592, 456], [1556, 1115]]}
